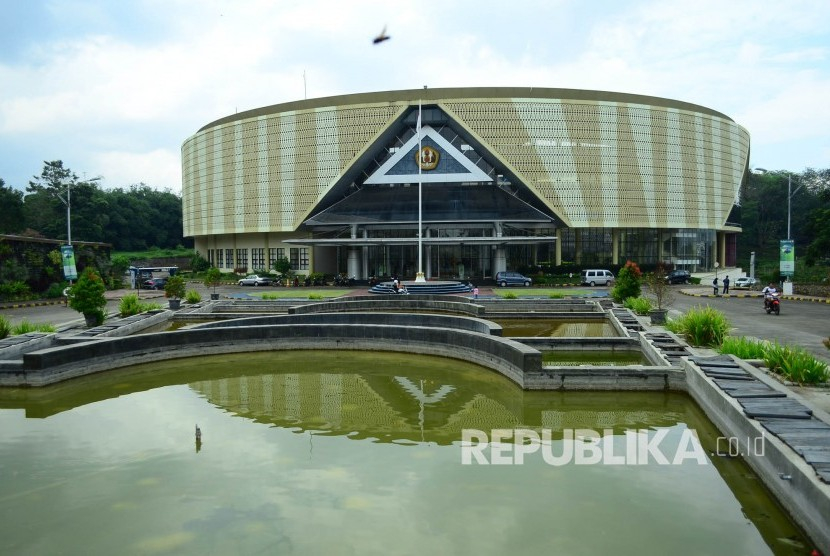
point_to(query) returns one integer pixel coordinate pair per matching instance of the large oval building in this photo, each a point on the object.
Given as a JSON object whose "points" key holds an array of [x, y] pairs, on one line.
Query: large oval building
{"points": [[463, 183]]}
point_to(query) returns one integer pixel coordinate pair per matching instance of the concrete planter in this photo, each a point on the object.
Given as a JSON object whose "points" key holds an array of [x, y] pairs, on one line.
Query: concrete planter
{"points": [[658, 316], [174, 304], [214, 297], [91, 320]]}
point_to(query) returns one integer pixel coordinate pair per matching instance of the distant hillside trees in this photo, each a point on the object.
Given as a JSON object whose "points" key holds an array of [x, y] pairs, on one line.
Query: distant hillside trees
{"points": [[133, 218]]}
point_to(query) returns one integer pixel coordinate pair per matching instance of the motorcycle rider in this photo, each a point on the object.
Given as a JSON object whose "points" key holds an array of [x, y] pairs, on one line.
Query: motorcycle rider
{"points": [[769, 292]]}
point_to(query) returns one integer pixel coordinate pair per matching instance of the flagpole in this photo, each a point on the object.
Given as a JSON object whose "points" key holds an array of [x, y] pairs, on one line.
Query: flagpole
{"points": [[420, 276]]}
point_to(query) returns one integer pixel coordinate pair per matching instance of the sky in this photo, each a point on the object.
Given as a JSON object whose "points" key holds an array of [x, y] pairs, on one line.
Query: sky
{"points": [[113, 88]]}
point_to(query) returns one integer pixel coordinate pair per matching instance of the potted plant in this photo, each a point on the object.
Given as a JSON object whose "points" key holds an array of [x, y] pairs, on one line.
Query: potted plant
{"points": [[659, 290], [212, 279], [87, 297], [174, 291]]}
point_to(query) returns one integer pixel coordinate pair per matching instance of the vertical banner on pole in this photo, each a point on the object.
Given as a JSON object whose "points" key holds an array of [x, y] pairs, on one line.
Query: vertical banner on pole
{"points": [[68, 256], [787, 265]]}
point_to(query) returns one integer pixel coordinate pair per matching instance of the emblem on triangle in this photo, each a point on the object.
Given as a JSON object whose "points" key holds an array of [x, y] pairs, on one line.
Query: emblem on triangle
{"points": [[450, 164]]}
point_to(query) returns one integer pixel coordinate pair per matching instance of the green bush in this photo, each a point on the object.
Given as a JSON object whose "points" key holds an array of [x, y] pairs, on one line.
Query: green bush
{"points": [[192, 296], [5, 327], [701, 326], [55, 290], [627, 282], [743, 347], [315, 296], [640, 305], [87, 295], [509, 295], [795, 364], [131, 305], [175, 287], [556, 295], [24, 327], [15, 291]]}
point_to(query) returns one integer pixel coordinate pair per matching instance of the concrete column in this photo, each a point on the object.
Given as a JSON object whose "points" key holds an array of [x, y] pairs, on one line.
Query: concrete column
{"points": [[577, 246], [500, 261], [615, 246], [722, 249], [558, 247], [354, 263]]}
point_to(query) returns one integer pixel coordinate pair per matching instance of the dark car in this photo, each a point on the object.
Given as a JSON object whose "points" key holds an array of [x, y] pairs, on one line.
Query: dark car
{"points": [[154, 284], [679, 277], [504, 279]]}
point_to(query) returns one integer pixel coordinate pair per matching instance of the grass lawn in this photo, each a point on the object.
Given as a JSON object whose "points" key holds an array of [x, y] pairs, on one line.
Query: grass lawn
{"points": [[298, 293], [541, 292]]}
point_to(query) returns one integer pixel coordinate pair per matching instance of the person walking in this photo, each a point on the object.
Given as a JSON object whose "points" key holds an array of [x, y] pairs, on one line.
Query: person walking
{"points": [[715, 285], [726, 285]]}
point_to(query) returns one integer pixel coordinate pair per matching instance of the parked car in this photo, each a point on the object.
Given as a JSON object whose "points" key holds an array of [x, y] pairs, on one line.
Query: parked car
{"points": [[596, 277], [505, 279], [679, 277], [745, 282], [154, 284], [255, 280]]}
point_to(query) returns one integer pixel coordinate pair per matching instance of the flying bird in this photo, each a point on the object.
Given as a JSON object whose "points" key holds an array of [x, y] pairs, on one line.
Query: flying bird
{"points": [[382, 37]]}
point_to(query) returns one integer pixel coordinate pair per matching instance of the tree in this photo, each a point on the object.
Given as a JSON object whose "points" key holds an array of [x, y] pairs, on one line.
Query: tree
{"points": [[11, 209], [87, 296], [628, 282], [45, 204]]}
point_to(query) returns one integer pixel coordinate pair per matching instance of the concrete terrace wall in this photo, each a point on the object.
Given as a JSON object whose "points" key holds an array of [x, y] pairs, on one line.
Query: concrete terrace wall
{"points": [[55, 364], [383, 319], [413, 303]]}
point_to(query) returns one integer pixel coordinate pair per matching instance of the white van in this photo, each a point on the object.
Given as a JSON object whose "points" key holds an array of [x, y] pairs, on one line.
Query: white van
{"points": [[595, 277]]}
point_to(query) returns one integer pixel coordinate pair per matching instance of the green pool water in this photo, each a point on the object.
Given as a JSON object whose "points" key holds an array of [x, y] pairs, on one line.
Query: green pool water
{"points": [[354, 453], [562, 358], [569, 328]]}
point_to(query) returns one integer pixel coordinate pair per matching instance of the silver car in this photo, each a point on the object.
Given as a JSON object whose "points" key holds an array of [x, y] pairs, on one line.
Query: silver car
{"points": [[255, 280]]}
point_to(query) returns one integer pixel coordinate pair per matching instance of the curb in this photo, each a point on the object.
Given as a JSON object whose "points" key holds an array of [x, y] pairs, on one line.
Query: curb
{"points": [[30, 304], [787, 297]]}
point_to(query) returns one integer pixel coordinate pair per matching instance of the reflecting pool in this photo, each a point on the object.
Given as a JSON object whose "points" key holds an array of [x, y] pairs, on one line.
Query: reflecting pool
{"points": [[356, 453], [554, 328]]}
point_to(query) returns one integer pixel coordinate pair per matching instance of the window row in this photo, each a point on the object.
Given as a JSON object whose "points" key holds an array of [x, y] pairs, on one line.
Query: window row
{"points": [[237, 259]]}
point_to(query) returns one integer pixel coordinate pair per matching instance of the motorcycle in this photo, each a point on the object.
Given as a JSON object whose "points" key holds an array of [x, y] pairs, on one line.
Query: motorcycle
{"points": [[772, 305]]}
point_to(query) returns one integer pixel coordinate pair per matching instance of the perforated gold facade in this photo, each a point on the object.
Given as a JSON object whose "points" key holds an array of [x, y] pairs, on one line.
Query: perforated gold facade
{"points": [[593, 160]]}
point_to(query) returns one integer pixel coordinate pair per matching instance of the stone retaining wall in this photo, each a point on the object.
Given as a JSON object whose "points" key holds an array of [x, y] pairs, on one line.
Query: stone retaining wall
{"points": [[51, 365]]}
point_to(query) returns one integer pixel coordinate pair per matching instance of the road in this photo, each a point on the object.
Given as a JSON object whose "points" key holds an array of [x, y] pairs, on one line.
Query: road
{"points": [[801, 323]]}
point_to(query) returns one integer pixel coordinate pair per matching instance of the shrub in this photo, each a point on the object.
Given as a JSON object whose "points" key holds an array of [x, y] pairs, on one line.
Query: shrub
{"points": [[743, 347], [627, 283], [55, 290], [509, 295], [24, 327], [15, 290], [5, 327], [556, 295], [131, 305], [795, 364], [826, 343], [175, 287], [701, 326], [192, 296], [87, 295], [640, 305], [315, 296]]}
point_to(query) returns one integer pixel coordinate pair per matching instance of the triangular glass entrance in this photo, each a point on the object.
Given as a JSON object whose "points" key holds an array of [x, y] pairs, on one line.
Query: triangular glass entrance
{"points": [[442, 163]]}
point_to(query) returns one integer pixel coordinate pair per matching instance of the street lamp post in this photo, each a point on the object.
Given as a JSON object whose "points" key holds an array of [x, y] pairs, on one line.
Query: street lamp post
{"points": [[68, 203], [790, 194]]}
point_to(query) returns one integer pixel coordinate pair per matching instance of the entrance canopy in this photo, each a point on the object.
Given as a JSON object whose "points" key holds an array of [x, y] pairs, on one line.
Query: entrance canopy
{"points": [[398, 204]]}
